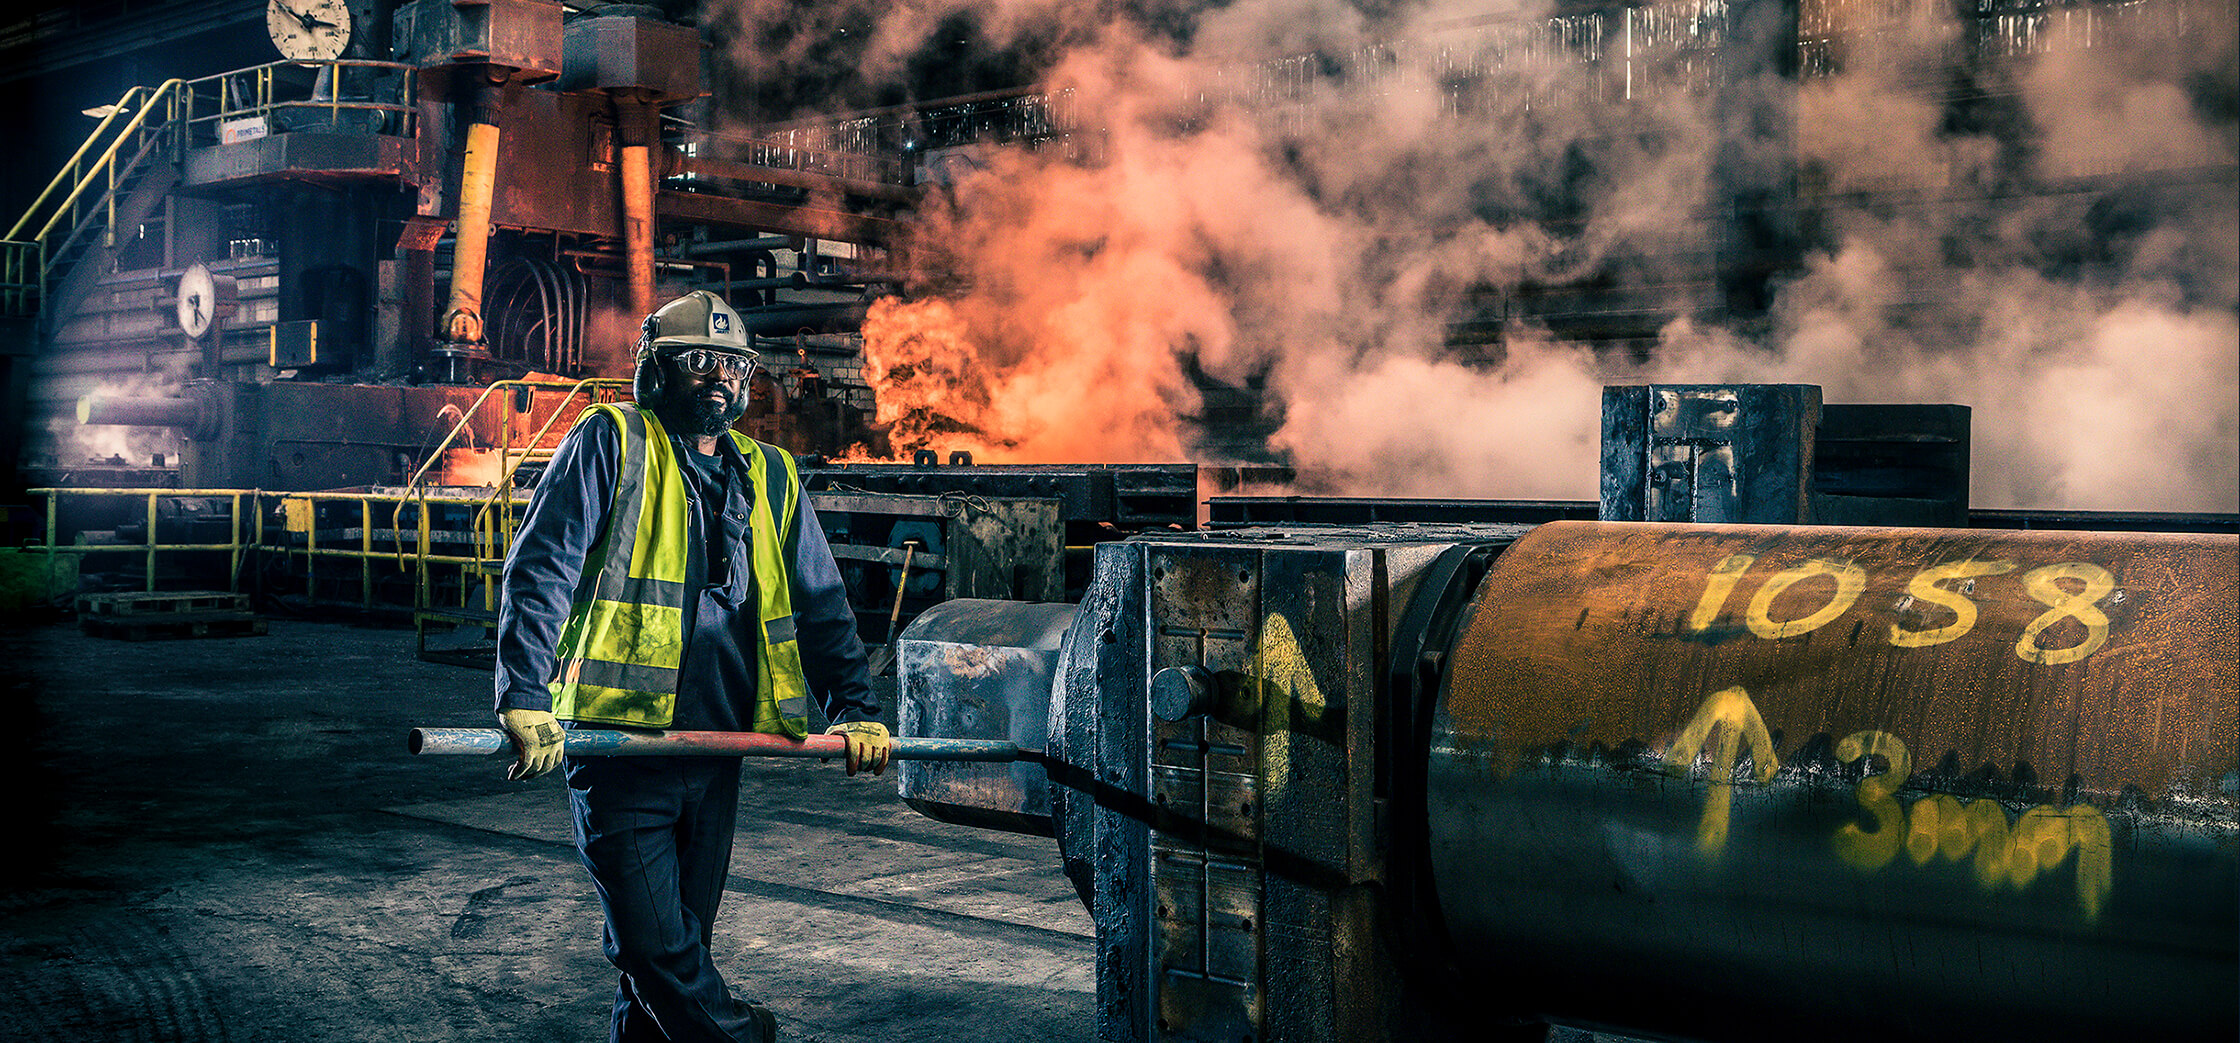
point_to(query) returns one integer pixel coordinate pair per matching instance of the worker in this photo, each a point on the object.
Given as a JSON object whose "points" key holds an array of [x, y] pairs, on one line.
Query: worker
{"points": [[669, 574]]}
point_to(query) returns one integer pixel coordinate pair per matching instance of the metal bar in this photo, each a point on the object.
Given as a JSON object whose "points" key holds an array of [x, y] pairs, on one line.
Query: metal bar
{"points": [[365, 557], [135, 491], [143, 549], [601, 742], [52, 498], [761, 242], [233, 571], [888, 556], [755, 173], [424, 528], [311, 554], [151, 577]]}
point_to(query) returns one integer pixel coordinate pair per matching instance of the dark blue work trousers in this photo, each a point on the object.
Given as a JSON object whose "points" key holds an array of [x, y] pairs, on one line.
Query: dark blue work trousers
{"points": [[655, 832]]}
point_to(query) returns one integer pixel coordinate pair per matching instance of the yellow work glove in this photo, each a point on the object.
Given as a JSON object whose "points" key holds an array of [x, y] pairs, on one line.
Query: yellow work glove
{"points": [[537, 740], [868, 745]]}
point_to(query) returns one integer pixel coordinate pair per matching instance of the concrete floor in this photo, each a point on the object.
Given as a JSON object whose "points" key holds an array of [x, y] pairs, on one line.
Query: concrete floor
{"points": [[223, 839]]}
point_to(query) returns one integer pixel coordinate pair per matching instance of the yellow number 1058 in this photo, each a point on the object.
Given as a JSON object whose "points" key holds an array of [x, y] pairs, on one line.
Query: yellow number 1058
{"points": [[2092, 583]]}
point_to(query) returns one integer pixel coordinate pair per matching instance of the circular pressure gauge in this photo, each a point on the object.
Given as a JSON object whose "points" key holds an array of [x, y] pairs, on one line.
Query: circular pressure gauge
{"points": [[308, 30], [202, 297]]}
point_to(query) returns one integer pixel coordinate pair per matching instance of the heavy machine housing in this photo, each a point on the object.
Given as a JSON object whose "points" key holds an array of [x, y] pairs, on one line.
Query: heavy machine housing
{"points": [[1681, 780]]}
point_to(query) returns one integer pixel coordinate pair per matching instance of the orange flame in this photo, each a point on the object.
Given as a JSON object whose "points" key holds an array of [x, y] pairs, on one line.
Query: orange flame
{"points": [[926, 378], [938, 387]]}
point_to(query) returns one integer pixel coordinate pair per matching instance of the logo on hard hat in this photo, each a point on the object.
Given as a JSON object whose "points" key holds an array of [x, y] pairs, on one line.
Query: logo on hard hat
{"points": [[719, 322]]}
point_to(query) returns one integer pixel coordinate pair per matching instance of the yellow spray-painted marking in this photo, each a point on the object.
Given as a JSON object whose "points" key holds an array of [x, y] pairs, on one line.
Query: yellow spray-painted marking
{"points": [[2046, 835], [2082, 606], [1851, 581], [1872, 849], [1924, 585], [1938, 827], [1283, 679], [1735, 717], [2044, 584], [1716, 588]]}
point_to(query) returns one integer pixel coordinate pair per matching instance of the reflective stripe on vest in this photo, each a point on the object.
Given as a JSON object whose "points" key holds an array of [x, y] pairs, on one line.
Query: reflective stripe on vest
{"points": [[619, 652]]}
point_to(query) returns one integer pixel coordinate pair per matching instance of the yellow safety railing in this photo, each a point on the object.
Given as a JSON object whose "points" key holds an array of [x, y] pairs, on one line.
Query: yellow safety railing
{"points": [[415, 549], [138, 118], [416, 546], [494, 519], [23, 268], [169, 118], [150, 546], [348, 95], [301, 514]]}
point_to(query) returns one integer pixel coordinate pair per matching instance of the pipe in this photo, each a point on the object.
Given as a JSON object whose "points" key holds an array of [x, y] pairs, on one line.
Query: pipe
{"points": [[637, 225], [787, 319], [794, 281], [601, 742], [478, 181], [183, 413], [755, 173], [579, 308], [765, 242]]}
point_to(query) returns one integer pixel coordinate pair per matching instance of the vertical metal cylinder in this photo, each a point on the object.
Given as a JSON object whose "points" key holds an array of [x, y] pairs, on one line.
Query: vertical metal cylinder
{"points": [[478, 179], [637, 224]]}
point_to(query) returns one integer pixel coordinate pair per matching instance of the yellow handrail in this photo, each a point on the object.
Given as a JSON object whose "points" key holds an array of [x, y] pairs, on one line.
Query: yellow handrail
{"points": [[503, 492], [169, 109], [166, 91], [23, 268], [124, 104], [262, 93], [487, 541], [149, 546]]}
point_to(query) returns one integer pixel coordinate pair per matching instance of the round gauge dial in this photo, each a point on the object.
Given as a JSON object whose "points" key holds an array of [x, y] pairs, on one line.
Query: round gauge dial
{"points": [[198, 301], [308, 30], [204, 301]]}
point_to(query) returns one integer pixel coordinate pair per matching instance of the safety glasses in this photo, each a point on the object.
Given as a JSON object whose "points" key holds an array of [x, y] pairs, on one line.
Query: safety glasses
{"points": [[701, 362]]}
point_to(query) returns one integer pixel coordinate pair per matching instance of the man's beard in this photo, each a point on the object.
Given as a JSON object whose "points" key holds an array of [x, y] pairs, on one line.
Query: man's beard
{"points": [[701, 415]]}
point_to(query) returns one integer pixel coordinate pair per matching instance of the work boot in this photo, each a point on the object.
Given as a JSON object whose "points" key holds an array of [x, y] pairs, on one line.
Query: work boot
{"points": [[764, 1021]]}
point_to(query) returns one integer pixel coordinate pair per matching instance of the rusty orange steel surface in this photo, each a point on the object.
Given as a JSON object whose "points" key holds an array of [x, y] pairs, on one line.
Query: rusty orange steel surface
{"points": [[2106, 657], [1741, 782]]}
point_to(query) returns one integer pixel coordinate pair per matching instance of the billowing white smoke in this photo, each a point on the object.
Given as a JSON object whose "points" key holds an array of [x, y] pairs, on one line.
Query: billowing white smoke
{"points": [[1317, 224]]}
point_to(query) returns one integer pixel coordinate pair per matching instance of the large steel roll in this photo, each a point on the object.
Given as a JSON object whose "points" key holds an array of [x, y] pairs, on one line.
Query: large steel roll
{"points": [[1745, 781], [977, 669]]}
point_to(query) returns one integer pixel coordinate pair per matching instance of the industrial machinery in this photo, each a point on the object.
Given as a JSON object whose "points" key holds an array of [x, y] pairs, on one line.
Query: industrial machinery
{"points": [[282, 276], [899, 554], [1721, 774], [1730, 779]]}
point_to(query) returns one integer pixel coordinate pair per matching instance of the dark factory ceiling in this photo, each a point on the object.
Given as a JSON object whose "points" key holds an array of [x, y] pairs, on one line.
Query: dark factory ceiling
{"points": [[37, 39]]}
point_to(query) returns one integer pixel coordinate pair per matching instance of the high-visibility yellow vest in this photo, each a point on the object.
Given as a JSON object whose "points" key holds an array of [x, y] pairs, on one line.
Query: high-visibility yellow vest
{"points": [[620, 649]]}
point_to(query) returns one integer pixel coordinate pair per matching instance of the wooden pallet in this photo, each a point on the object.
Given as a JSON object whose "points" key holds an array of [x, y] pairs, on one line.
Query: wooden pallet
{"points": [[158, 604], [172, 625]]}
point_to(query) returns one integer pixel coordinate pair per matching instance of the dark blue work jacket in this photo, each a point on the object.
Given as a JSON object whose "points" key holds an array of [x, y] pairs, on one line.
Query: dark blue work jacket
{"points": [[716, 681]]}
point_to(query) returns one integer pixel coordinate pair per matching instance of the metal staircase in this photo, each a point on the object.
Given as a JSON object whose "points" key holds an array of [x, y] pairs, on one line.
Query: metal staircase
{"points": [[52, 255]]}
